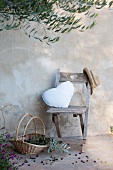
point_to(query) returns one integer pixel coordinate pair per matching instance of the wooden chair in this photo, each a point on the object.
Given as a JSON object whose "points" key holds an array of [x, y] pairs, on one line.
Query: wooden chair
{"points": [[81, 111]]}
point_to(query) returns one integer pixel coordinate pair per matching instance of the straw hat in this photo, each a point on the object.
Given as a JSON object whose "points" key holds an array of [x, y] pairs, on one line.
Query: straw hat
{"points": [[93, 78]]}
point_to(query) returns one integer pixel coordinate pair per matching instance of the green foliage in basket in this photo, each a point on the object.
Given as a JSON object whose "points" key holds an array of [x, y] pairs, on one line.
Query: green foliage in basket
{"points": [[52, 143], [38, 140]]}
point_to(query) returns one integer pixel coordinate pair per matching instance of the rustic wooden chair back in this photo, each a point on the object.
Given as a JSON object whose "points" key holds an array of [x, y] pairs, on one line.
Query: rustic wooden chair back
{"points": [[75, 110]]}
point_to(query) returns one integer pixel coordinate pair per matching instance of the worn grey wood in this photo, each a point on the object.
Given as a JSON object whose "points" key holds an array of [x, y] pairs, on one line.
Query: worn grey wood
{"points": [[87, 112], [57, 77], [75, 110], [56, 121], [84, 147], [73, 77], [81, 123], [72, 140], [69, 110], [88, 95], [85, 125]]}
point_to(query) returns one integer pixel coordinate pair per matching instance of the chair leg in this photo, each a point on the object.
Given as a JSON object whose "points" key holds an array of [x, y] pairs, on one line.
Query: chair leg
{"points": [[84, 147], [56, 121], [81, 123], [85, 125]]}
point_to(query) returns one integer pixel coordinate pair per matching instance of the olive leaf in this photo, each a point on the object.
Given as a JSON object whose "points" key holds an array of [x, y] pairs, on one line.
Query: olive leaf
{"points": [[46, 20]]}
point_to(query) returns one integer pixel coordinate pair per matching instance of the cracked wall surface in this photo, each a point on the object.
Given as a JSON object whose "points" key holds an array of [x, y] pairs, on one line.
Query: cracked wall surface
{"points": [[27, 69]]}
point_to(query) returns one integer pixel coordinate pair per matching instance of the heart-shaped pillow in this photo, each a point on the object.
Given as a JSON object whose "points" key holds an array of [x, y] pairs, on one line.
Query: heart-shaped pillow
{"points": [[59, 96]]}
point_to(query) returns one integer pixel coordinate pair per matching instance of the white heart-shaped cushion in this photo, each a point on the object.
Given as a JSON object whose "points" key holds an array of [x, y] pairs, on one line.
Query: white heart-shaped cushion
{"points": [[59, 96]]}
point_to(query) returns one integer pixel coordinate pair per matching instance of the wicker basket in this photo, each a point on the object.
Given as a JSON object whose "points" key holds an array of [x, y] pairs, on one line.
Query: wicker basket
{"points": [[20, 143]]}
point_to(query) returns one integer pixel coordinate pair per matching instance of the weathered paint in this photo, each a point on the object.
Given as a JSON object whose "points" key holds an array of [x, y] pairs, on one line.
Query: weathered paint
{"points": [[27, 69]]}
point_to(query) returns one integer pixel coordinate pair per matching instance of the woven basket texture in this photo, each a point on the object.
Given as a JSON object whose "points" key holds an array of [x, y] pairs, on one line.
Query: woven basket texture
{"points": [[20, 143]]}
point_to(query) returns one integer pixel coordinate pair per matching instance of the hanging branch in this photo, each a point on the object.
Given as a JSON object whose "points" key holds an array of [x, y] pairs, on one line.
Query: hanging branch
{"points": [[45, 20]]}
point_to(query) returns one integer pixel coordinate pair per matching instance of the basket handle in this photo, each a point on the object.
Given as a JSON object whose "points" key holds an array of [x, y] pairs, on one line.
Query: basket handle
{"points": [[34, 117], [17, 129]]}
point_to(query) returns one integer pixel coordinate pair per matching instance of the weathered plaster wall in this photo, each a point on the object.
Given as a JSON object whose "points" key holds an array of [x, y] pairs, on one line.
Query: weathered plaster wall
{"points": [[27, 69]]}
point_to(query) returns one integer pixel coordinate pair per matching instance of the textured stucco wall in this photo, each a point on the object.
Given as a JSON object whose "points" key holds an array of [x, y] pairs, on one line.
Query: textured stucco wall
{"points": [[27, 69]]}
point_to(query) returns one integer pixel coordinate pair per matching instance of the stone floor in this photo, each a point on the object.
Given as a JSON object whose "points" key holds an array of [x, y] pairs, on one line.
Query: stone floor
{"points": [[99, 156]]}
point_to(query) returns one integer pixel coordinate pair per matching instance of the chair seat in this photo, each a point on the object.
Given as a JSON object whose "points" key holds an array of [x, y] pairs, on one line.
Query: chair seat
{"points": [[70, 110]]}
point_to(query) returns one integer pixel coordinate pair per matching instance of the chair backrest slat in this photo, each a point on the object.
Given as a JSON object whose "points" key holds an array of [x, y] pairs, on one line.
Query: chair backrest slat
{"points": [[73, 77]]}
